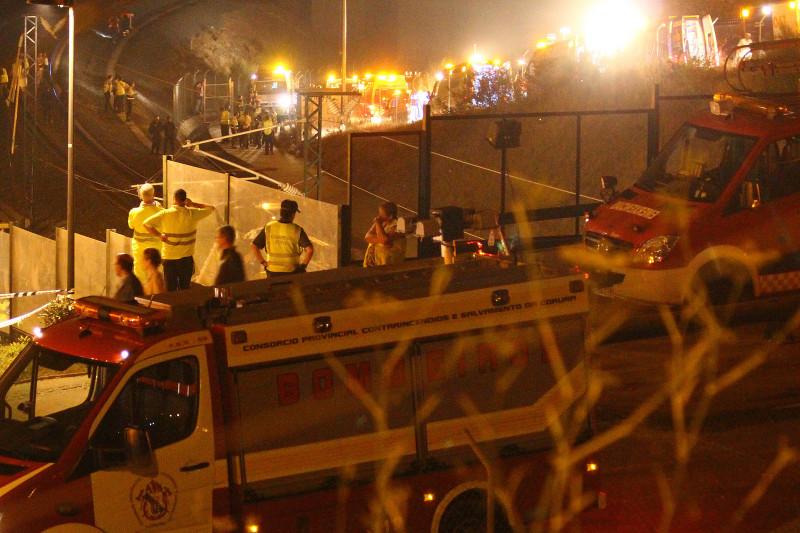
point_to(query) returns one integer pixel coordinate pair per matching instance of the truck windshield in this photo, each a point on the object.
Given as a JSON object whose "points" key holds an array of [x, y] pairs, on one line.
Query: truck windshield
{"points": [[271, 87], [697, 164], [46, 397]]}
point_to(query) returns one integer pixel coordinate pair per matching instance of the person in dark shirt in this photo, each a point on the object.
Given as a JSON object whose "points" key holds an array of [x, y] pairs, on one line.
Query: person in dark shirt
{"points": [[231, 268], [129, 286]]}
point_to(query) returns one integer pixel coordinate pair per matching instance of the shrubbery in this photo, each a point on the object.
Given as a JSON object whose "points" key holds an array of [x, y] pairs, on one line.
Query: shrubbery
{"points": [[57, 310]]}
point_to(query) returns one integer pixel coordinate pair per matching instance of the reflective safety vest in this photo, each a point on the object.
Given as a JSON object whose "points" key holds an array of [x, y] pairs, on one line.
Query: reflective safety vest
{"points": [[121, 86], [179, 225], [234, 121], [225, 117], [107, 86], [283, 246], [130, 92], [136, 218]]}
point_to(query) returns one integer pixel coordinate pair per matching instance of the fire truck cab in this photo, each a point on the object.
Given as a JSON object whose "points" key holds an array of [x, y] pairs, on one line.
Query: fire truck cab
{"points": [[716, 211], [273, 90]]}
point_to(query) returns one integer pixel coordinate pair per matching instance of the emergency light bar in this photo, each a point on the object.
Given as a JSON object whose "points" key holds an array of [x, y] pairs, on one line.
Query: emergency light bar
{"points": [[122, 314], [723, 104]]}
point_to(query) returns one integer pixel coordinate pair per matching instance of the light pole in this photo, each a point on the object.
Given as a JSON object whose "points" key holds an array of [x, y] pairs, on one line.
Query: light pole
{"points": [[344, 56], [449, 68], [745, 14], [70, 131], [765, 12]]}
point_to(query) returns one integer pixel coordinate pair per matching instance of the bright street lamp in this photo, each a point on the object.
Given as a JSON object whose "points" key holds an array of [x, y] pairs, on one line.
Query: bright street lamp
{"points": [[70, 132], [745, 14]]}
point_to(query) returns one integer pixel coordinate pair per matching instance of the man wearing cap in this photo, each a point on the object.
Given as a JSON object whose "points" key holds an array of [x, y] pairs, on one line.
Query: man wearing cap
{"points": [[285, 242], [177, 229]]}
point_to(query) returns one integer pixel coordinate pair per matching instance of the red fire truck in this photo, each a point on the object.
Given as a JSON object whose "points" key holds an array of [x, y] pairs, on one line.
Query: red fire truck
{"points": [[349, 400], [715, 212]]}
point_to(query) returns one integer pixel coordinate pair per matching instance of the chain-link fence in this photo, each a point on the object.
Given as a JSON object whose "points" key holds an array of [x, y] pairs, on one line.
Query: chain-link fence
{"points": [[201, 93]]}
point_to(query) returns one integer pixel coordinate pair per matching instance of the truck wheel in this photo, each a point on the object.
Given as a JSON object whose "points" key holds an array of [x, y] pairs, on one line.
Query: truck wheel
{"points": [[723, 286], [463, 510]]}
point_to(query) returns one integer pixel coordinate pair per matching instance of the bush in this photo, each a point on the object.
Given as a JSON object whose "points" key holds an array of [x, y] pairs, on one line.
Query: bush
{"points": [[10, 351], [57, 310]]}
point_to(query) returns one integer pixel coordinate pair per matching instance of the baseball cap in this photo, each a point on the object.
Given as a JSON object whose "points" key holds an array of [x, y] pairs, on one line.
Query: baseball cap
{"points": [[290, 205]]}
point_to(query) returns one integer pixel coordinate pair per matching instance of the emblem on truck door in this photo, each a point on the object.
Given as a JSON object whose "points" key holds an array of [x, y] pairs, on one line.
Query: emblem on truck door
{"points": [[153, 499]]}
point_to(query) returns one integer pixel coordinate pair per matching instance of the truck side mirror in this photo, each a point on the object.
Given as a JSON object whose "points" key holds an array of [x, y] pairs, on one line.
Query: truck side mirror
{"points": [[138, 450], [750, 195], [607, 188]]}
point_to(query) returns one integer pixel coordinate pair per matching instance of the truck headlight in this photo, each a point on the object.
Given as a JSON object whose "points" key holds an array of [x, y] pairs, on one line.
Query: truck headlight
{"points": [[285, 101], [655, 250]]}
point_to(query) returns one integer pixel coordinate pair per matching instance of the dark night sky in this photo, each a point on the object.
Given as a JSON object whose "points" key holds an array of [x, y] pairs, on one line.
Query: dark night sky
{"points": [[412, 34], [419, 33]]}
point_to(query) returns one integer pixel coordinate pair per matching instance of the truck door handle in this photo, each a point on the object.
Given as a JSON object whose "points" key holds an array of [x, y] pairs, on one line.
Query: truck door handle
{"points": [[192, 468]]}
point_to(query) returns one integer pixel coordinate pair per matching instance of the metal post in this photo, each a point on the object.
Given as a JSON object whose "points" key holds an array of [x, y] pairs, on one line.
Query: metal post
{"points": [[176, 101], [424, 183], [653, 125], [503, 152], [70, 158], [29, 71], [344, 59], [577, 170], [319, 148], [349, 167]]}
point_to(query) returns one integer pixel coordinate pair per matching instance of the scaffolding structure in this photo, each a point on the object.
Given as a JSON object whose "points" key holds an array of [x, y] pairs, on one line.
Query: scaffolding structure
{"points": [[29, 71], [312, 102]]}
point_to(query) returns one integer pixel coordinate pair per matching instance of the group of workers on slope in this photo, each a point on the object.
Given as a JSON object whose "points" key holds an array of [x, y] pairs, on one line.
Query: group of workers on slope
{"points": [[119, 97], [163, 136], [165, 239], [246, 119]]}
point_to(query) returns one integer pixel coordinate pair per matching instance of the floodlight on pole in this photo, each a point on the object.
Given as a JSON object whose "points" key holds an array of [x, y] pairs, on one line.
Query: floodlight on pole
{"points": [[70, 134], [745, 13], [765, 12]]}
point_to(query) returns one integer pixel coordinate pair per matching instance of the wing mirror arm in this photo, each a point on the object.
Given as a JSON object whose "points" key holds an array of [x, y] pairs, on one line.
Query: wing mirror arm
{"points": [[608, 189]]}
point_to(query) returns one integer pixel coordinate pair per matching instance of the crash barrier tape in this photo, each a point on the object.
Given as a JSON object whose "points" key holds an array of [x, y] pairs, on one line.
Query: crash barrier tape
{"points": [[15, 320], [9, 295]]}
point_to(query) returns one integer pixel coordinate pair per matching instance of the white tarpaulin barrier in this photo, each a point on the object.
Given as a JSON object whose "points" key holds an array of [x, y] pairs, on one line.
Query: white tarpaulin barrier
{"points": [[248, 207], [90, 256], [253, 205], [33, 268], [32, 263]]}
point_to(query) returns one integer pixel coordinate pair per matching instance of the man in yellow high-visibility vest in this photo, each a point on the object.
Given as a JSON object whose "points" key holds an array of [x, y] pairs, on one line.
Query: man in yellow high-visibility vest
{"points": [[141, 237], [288, 248], [177, 229]]}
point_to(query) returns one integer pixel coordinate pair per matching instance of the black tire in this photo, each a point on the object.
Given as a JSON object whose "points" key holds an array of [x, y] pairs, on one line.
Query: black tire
{"points": [[721, 286], [467, 514]]}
